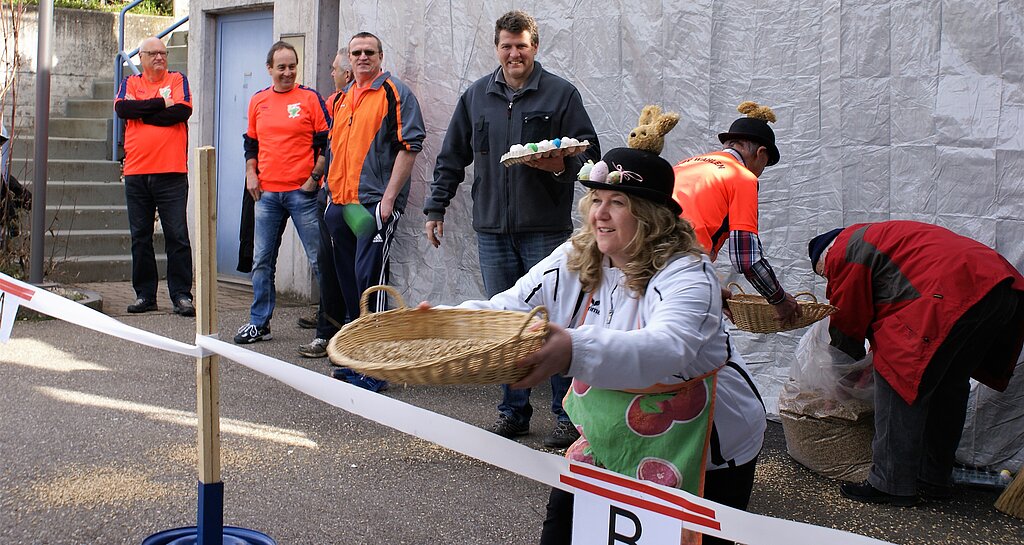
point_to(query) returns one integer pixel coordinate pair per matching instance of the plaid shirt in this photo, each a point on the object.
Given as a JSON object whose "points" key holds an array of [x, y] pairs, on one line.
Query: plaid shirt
{"points": [[747, 258]]}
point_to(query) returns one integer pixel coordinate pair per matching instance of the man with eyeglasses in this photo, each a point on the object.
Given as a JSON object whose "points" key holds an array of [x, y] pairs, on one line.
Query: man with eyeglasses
{"points": [[523, 212], [156, 105], [376, 134]]}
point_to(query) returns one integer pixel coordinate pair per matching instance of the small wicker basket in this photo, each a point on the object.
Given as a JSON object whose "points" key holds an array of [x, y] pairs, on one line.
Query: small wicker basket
{"points": [[438, 346], [753, 313]]}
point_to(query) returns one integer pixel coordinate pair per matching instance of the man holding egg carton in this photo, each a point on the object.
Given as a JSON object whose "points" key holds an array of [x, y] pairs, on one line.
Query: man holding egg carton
{"points": [[521, 212]]}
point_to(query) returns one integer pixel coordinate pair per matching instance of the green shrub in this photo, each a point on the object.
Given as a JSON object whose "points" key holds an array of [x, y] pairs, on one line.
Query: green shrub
{"points": [[147, 7]]}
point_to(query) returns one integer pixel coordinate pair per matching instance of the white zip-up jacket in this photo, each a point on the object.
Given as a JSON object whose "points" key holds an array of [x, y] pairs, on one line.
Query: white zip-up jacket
{"points": [[673, 333]]}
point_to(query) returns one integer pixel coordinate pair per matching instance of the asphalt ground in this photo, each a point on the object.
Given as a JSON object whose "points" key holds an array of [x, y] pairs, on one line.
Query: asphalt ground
{"points": [[98, 439]]}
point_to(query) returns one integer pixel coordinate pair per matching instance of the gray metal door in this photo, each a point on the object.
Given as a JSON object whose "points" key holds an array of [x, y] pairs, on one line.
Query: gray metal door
{"points": [[242, 43]]}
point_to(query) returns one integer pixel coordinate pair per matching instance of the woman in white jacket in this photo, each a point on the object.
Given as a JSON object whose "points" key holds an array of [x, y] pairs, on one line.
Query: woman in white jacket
{"points": [[636, 319]]}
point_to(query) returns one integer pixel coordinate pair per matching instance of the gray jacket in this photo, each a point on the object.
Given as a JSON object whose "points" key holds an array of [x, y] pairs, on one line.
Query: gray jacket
{"points": [[485, 123]]}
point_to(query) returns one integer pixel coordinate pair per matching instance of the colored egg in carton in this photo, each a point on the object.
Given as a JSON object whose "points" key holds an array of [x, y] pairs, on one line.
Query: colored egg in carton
{"points": [[559, 147]]}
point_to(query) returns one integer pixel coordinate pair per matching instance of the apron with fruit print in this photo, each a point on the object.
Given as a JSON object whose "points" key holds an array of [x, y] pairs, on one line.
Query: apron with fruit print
{"points": [[659, 434]]}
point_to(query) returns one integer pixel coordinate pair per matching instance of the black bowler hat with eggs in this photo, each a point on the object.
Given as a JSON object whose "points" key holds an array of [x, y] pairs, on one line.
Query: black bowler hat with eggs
{"points": [[635, 172]]}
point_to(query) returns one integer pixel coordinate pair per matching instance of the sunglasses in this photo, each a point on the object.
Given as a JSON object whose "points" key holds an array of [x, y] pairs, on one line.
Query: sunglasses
{"points": [[360, 52], [155, 53]]}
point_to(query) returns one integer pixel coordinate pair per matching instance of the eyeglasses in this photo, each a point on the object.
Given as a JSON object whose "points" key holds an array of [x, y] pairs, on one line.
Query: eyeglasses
{"points": [[155, 53], [361, 52]]}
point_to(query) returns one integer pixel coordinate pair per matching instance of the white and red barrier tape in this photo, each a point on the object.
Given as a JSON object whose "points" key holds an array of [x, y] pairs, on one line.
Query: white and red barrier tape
{"points": [[692, 512]]}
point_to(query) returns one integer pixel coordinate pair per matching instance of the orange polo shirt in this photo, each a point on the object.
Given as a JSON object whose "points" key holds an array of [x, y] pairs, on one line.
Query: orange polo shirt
{"points": [[152, 149], [284, 125], [718, 194]]}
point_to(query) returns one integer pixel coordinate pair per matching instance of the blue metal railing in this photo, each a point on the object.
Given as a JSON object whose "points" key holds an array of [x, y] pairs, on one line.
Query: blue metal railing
{"points": [[123, 58]]}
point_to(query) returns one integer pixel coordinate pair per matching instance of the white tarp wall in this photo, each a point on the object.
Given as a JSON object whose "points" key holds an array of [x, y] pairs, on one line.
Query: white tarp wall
{"points": [[886, 110]]}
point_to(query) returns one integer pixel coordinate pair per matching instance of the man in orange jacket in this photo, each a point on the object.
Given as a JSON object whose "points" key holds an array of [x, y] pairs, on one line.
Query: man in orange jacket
{"points": [[375, 137]]}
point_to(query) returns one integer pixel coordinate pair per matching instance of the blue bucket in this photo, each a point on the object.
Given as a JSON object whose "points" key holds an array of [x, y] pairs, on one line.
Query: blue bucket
{"points": [[190, 536]]}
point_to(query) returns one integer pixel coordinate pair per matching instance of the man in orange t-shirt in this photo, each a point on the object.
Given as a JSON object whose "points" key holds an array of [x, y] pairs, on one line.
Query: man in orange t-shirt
{"points": [[156, 105], [718, 193], [284, 164]]}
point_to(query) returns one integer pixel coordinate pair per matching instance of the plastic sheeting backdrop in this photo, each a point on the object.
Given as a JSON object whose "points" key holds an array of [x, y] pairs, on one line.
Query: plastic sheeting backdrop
{"points": [[886, 110]]}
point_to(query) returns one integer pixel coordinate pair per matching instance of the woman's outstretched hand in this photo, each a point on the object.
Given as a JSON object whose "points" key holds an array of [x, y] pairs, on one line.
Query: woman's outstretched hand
{"points": [[553, 358]]}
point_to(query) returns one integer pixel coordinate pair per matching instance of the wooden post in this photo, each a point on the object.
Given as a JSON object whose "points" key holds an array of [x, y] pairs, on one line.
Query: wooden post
{"points": [[1011, 501], [207, 369]]}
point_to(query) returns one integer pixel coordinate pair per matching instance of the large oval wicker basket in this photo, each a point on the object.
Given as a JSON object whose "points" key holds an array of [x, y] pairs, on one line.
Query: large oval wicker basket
{"points": [[438, 346], [753, 313]]}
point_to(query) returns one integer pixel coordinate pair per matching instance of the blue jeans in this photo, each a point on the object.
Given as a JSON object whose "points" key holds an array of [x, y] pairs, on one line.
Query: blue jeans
{"points": [[272, 211], [147, 194], [504, 259]]}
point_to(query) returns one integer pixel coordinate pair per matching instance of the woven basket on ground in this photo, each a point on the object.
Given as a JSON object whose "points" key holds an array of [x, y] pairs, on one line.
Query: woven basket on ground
{"points": [[438, 346], [753, 313]]}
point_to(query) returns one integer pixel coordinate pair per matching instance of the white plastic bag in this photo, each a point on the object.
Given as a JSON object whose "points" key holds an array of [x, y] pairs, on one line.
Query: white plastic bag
{"points": [[820, 366], [826, 408]]}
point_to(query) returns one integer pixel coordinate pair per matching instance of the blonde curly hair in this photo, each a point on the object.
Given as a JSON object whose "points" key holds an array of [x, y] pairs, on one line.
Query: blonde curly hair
{"points": [[660, 236]]}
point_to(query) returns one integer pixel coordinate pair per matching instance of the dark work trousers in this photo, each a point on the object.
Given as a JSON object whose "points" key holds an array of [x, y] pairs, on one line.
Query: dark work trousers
{"points": [[166, 194], [361, 262], [332, 301], [730, 486], [918, 441]]}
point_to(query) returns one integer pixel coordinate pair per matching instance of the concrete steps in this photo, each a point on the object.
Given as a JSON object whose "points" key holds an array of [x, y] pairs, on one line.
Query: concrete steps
{"points": [[71, 193], [105, 268], [88, 170], [68, 127], [93, 108], [95, 242], [86, 217], [66, 148], [104, 89], [177, 52]]}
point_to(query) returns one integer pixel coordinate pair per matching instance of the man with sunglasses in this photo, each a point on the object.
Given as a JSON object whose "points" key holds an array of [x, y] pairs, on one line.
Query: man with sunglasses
{"points": [[375, 137], [156, 105]]}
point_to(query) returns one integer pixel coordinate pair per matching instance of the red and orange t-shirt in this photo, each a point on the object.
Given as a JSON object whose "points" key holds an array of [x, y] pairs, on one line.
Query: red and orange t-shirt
{"points": [[284, 125], [155, 149], [718, 194]]}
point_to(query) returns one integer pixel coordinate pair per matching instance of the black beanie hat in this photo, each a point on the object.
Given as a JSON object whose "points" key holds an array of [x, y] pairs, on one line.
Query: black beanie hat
{"points": [[818, 244]]}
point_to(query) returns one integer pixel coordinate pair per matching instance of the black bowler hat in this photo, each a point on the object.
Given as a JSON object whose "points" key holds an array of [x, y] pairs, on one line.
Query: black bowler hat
{"points": [[754, 127], [817, 245], [635, 172]]}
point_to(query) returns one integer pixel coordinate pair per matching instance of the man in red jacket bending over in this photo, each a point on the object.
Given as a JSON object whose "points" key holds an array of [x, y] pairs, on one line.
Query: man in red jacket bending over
{"points": [[938, 309]]}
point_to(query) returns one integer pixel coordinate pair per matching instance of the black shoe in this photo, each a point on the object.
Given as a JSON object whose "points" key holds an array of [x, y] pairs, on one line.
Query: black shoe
{"points": [[142, 305], [934, 492], [864, 492], [249, 334], [562, 436], [507, 426], [184, 307], [308, 322]]}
